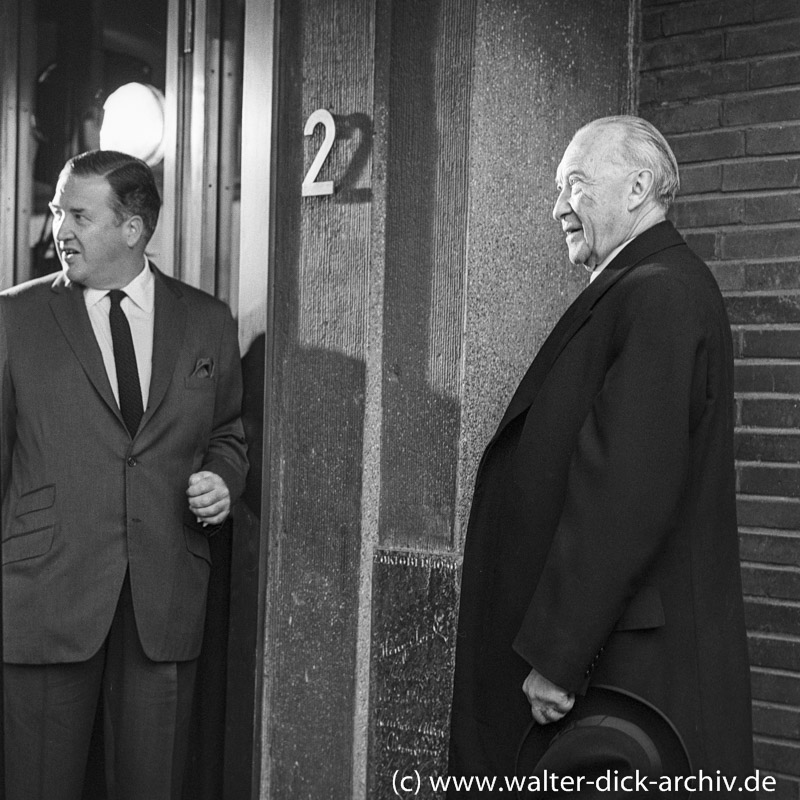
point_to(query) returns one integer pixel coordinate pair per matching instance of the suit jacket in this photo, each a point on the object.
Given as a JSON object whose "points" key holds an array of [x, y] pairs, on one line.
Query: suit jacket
{"points": [[82, 501], [602, 544]]}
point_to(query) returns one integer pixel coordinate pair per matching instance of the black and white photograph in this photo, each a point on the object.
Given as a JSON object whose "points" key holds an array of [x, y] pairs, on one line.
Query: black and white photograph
{"points": [[399, 398]]}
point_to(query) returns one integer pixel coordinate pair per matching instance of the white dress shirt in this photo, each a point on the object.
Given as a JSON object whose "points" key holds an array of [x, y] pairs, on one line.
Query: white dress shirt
{"points": [[138, 307]]}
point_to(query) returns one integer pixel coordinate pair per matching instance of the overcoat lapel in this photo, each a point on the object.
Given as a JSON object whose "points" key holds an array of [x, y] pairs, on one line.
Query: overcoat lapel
{"points": [[168, 330], [659, 237], [69, 309]]}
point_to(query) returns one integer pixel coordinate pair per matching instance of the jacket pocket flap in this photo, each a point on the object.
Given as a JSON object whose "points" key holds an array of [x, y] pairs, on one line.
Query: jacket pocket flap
{"points": [[36, 500], [644, 610], [197, 543], [29, 545]]}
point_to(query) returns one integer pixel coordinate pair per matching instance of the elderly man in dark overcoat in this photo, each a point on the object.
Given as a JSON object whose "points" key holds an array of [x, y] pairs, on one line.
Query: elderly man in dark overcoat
{"points": [[602, 545]]}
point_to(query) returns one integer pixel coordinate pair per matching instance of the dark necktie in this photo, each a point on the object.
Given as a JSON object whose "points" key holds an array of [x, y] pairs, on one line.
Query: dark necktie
{"points": [[130, 393]]}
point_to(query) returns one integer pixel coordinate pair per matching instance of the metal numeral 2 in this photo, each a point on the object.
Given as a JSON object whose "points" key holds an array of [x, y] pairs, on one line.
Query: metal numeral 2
{"points": [[311, 186]]}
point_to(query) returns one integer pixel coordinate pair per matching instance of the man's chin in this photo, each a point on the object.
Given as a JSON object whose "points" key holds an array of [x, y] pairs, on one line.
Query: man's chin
{"points": [[579, 258], [74, 273]]}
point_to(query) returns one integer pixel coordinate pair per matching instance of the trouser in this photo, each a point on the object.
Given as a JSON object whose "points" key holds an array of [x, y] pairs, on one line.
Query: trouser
{"points": [[50, 710]]}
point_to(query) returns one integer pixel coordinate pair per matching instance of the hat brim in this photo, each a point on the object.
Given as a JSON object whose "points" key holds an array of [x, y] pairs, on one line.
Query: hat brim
{"points": [[629, 711]]}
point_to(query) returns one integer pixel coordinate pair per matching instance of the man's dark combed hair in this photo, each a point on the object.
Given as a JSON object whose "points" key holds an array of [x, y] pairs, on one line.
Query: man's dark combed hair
{"points": [[132, 184]]}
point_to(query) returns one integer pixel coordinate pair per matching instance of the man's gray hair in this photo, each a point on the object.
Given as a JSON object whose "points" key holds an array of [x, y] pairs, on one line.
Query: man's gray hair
{"points": [[643, 145]]}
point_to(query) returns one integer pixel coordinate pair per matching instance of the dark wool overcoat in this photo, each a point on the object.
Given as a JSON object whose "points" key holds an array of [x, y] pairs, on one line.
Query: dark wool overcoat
{"points": [[602, 545]]}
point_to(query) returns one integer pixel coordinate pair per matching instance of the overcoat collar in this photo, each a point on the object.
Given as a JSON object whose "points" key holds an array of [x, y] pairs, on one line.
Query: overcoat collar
{"points": [[69, 309], [653, 240]]}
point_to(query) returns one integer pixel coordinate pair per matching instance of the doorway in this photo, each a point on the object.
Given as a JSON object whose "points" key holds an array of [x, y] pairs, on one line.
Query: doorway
{"points": [[63, 64]]}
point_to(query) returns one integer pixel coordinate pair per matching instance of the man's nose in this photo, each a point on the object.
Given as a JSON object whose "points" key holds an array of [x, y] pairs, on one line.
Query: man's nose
{"points": [[61, 230], [562, 207]]}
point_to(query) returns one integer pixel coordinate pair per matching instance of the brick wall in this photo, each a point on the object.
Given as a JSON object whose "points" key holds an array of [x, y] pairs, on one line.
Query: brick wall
{"points": [[721, 78]]}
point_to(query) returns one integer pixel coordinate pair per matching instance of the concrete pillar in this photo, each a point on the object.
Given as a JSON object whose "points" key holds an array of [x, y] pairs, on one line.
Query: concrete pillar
{"points": [[406, 307]]}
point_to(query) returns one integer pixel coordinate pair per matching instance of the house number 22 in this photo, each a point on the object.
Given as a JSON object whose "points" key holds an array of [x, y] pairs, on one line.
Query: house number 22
{"points": [[311, 186]]}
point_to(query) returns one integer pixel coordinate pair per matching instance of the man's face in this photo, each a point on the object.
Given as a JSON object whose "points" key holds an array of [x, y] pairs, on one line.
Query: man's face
{"points": [[91, 242], [593, 191]]}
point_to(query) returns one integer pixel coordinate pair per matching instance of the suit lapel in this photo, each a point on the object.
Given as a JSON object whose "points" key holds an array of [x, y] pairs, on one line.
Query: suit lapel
{"points": [[659, 237], [69, 309], [168, 329]]}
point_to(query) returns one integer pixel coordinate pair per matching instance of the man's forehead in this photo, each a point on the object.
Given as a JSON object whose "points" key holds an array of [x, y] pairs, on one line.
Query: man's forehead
{"points": [[90, 189], [575, 158], [589, 148]]}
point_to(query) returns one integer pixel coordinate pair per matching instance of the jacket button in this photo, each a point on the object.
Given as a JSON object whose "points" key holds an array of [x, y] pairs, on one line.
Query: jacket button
{"points": [[132, 462]]}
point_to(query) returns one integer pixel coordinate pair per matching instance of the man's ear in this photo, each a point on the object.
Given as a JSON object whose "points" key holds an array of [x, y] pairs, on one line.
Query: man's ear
{"points": [[134, 230], [641, 188]]}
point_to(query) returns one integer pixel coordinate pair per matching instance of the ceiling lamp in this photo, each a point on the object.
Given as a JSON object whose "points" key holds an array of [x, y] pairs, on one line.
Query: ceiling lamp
{"points": [[133, 122]]}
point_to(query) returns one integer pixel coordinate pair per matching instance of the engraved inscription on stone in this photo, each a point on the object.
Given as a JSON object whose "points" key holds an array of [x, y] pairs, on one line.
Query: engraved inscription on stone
{"points": [[413, 645]]}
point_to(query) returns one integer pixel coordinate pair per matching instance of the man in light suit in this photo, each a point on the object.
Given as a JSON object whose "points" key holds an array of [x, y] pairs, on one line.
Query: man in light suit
{"points": [[122, 451], [602, 545]]}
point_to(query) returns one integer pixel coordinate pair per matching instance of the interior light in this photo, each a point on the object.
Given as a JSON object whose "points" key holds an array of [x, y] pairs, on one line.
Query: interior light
{"points": [[133, 122]]}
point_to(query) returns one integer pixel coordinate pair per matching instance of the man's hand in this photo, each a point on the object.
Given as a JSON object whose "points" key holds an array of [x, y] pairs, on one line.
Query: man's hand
{"points": [[209, 498], [549, 703]]}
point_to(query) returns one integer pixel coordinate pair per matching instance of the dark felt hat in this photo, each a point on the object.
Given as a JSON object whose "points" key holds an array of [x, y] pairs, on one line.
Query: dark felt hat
{"points": [[610, 738]]}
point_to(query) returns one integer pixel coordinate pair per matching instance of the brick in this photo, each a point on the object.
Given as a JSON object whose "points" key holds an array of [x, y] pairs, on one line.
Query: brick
{"points": [[687, 83], [755, 309], [771, 412], [760, 243], [776, 756], [773, 106], [694, 116], [776, 721], [701, 178], [763, 512], [784, 207], [770, 617], [781, 71], [768, 512], [775, 9], [776, 139], [771, 651], [730, 277], [704, 244], [775, 686], [777, 173], [705, 16], [707, 212], [708, 146], [648, 88], [651, 25], [667, 53], [777, 583], [773, 37], [766, 377], [775, 547], [773, 275], [738, 344], [768, 343]]}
